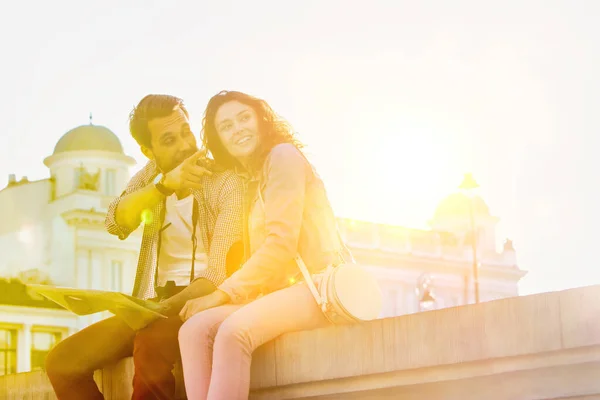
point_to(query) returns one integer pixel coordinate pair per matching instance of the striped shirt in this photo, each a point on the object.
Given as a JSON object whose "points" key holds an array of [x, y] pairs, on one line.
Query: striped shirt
{"points": [[220, 211]]}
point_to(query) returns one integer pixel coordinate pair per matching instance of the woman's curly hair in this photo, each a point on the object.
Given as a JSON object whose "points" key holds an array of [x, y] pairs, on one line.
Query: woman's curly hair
{"points": [[273, 129]]}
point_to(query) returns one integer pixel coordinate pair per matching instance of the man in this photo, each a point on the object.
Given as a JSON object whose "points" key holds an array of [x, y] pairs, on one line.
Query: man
{"points": [[192, 233]]}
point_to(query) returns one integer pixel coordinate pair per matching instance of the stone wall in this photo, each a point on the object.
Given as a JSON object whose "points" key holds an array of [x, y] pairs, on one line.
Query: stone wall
{"points": [[544, 346]]}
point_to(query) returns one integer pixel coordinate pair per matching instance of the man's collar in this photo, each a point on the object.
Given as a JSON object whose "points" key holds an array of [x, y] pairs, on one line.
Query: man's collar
{"points": [[243, 173]]}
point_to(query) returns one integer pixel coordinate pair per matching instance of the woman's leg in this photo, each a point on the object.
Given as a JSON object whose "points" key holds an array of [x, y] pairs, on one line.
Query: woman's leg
{"points": [[287, 310], [196, 338]]}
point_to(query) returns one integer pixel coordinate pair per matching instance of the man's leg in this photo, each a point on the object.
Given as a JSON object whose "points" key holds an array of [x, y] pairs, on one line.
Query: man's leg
{"points": [[70, 365], [155, 352]]}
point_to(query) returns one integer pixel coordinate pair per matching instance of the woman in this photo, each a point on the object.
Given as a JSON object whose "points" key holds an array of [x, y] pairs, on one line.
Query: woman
{"points": [[288, 215]]}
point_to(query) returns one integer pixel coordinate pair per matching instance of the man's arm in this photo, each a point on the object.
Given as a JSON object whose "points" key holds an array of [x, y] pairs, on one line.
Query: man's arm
{"points": [[128, 213], [125, 212], [201, 286], [115, 222], [173, 305], [226, 246]]}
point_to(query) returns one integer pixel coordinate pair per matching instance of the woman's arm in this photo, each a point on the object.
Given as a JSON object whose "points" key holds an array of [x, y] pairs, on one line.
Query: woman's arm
{"points": [[284, 196]]}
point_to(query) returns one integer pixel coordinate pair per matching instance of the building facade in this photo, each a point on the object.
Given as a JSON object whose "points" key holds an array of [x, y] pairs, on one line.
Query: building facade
{"points": [[53, 233]]}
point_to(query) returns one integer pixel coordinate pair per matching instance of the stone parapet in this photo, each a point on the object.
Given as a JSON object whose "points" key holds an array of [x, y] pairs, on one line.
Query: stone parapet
{"points": [[542, 346]]}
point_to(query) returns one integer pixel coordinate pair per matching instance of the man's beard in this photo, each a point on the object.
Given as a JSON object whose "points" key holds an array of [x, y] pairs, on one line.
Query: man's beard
{"points": [[167, 167], [185, 157]]}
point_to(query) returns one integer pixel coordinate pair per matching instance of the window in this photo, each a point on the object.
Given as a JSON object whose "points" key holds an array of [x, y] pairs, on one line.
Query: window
{"points": [[78, 173], [8, 351], [41, 343], [53, 187], [110, 180], [116, 275]]}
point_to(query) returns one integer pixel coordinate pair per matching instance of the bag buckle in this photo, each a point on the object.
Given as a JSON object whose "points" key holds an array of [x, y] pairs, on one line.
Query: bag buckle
{"points": [[324, 304]]}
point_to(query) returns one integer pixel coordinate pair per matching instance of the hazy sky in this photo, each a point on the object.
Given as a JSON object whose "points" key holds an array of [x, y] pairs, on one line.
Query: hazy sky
{"points": [[395, 99]]}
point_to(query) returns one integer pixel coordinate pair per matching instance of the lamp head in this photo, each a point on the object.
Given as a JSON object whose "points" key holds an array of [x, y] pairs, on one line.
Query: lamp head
{"points": [[468, 183]]}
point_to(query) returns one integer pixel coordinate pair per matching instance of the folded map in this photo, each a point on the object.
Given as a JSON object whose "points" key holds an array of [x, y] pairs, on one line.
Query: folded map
{"points": [[135, 312]]}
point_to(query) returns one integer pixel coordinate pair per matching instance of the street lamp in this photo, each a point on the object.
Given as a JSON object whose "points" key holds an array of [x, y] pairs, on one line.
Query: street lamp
{"points": [[468, 186], [424, 293]]}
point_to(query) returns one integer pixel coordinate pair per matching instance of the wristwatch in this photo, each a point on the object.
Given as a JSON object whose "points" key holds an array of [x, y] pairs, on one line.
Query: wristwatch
{"points": [[158, 184]]}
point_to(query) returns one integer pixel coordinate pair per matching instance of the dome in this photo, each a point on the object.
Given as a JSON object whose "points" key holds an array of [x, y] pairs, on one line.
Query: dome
{"points": [[89, 137], [457, 205]]}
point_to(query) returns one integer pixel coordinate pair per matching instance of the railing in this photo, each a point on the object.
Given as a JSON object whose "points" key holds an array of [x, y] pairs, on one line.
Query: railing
{"points": [[420, 243], [544, 346]]}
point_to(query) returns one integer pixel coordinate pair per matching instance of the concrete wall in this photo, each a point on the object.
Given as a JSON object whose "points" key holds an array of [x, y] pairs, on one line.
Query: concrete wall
{"points": [[544, 346]]}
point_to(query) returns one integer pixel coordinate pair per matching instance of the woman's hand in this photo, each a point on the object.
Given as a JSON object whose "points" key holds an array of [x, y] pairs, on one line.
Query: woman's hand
{"points": [[194, 306]]}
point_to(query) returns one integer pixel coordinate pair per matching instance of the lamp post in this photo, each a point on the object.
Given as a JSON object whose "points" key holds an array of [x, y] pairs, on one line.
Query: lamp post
{"points": [[424, 293], [468, 186]]}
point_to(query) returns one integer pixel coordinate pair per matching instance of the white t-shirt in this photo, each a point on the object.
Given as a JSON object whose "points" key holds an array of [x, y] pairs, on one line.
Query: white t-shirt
{"points": [[175, 259]]}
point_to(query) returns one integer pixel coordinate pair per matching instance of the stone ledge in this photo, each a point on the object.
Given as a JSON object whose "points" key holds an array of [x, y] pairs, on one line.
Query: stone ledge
{"points": [[540, 376], [532, 347]]}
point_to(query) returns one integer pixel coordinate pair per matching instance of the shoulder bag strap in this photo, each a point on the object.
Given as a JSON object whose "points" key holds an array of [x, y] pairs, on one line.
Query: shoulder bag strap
{"points": [[309, 281]]}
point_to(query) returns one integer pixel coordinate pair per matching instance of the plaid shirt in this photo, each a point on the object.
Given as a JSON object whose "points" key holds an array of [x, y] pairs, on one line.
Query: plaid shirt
{"points": [[220, 210]]}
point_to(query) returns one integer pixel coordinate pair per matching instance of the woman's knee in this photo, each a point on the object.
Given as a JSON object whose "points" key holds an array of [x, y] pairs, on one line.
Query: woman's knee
{"points": [[235, 332], [195, 330]]}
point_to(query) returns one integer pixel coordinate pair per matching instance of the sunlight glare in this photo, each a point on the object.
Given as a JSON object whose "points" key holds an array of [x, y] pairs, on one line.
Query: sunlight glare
{"points": [[26, 235], [419, 164]]}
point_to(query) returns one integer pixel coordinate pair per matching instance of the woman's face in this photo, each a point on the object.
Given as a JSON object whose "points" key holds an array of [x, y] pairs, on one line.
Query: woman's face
{"points": [[237, 126]]}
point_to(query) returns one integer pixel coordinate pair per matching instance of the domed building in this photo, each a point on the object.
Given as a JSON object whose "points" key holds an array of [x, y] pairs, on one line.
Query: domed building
{"points": [[454, 214], [459, 205], [89, 157], [89, 137], [53, 233], [402, 258]]}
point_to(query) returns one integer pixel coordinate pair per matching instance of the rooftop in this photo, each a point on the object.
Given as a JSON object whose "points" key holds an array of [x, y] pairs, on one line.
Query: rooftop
{"points": [[14, 293], [89, 137]]}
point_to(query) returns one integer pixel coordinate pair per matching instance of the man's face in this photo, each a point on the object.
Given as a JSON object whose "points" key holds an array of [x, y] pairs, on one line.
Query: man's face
{"points": [[172, 140]]}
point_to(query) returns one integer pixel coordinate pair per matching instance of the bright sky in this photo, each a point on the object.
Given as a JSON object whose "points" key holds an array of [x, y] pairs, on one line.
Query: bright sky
{"points": [[395, 99]]}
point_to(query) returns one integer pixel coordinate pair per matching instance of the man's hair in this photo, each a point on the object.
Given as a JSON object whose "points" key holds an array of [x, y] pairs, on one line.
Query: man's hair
{"points": [[273, 129], [150, 107]]}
